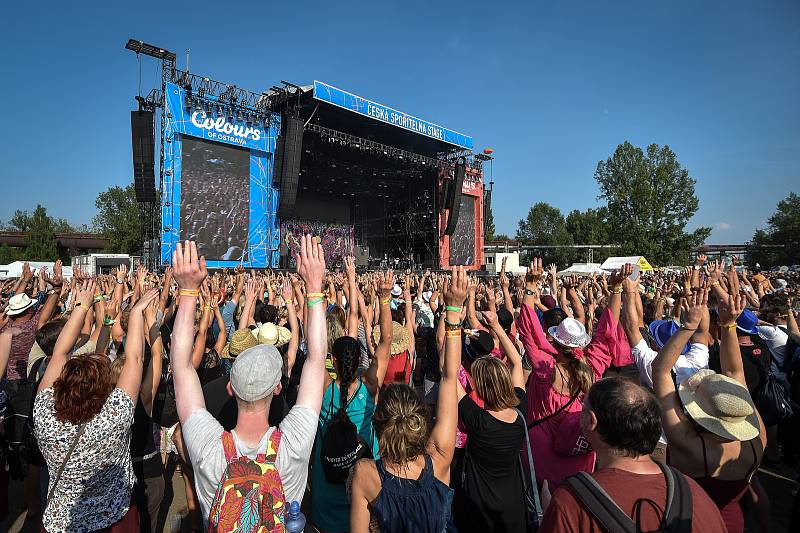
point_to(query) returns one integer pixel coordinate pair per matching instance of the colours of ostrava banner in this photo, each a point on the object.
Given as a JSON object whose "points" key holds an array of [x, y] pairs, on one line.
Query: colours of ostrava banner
{"points": [[224, 191], [368, 108]]}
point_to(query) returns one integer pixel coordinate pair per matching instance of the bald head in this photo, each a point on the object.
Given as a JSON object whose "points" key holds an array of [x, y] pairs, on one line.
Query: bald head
{"points": [[628, 416]]}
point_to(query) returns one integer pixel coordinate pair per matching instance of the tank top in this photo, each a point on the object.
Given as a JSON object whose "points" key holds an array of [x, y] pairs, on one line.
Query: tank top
{"points": [[413, 505], [726, 493]]}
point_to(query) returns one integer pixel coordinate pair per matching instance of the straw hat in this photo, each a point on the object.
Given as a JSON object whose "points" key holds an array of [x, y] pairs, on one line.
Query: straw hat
{"points": [[18, 304], [720, 404], [570, 333], [400, 342], [240, 341], [269, 333]]}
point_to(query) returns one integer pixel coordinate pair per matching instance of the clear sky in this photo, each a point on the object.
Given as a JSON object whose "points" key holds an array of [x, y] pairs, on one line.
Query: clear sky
{"points": [[553, 86]]}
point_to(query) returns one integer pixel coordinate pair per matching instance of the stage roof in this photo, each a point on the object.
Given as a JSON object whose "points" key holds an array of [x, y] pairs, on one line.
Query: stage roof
{"points": [[359, 116]]}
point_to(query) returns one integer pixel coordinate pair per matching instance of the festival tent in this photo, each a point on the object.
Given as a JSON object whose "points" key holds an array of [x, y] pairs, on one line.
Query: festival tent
{"points": [[14, 270], [615, 263], [581, 269]]}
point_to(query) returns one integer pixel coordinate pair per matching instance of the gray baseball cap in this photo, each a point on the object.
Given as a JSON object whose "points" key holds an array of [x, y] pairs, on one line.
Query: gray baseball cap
{"points": [[256, 372]]}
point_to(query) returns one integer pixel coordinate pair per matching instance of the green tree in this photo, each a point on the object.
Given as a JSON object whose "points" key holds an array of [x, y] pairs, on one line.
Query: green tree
{"points": [[650, 199], [783, 228], [21, 221], [118, 219], [590, 227], [545, 225], [502, 237], [9, 254], [40, 244]]}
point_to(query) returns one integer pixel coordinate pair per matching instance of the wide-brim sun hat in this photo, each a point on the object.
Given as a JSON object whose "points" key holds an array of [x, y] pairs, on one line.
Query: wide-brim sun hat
{"points": [[241, 340], [720, 404], [400, 340], [269, 333], [570, 333], [19, 303]]}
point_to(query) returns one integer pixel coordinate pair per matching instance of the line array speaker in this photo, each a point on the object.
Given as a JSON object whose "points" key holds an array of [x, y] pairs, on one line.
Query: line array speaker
{"points": [[453, 198], [290, 148], [143, 145]]}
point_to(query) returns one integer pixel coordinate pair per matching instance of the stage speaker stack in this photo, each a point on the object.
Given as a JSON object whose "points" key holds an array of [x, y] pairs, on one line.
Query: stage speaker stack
{"points": [[452, 199], [143, 144], [361, 254], [287, 163]]}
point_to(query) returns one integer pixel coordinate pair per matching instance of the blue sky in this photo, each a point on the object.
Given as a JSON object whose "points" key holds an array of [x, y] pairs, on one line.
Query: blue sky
{"points": [[552, 86]]}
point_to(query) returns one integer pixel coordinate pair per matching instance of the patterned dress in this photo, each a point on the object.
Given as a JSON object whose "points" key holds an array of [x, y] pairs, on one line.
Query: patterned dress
{"points": [[94, 491]]}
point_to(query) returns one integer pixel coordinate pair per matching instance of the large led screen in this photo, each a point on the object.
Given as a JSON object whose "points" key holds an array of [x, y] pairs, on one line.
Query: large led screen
{"points": [[462, 242]]}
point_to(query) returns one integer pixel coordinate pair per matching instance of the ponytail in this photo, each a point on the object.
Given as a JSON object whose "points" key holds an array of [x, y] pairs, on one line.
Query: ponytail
{"points": [[581, 375], [346, 355]]}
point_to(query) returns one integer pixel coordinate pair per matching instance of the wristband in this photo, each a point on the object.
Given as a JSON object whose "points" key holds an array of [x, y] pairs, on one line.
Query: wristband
{"points": [[206, 308], [450, 326], [313, 302], [728, 326], [98, 298], [108, 322], [713, 283], [189, 292], [453, 332], [315, 295], [289, 302], [453, 308], [120, 281], [616, 290], [81, 304], [386, 301], [529, 292]]}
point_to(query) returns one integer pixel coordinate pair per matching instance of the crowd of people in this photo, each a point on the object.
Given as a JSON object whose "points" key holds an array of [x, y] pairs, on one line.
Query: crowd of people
{"points": [[398, 402]]}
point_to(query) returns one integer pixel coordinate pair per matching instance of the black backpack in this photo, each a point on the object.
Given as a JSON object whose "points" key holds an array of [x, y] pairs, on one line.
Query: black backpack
{"points": [[342, 446], [677, 512]]}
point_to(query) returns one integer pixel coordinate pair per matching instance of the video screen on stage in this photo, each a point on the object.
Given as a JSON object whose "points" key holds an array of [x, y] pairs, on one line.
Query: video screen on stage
{"points": [[462, 242], [215, 198]]}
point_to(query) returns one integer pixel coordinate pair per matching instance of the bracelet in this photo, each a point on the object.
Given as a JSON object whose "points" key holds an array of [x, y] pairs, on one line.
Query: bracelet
{"points": [[289, 302], [120, 281], [453, 308], [386, 301], [407, 301], [315, 295], [189, 292], [206, 308], [728, 326], [98, 298], [616, 290], [453, 332], [713, 283], [108, 322], [453, 324], [313, 302], [81, 304]]}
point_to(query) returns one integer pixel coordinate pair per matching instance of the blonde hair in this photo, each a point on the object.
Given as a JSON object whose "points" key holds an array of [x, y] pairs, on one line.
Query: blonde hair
{"points": [[116, 367], [335, 322], [493, 383], [581, 375], [401, 424]]}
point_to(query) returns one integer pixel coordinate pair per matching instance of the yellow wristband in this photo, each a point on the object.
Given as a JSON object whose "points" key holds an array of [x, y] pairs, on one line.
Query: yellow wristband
{"points": [[315, 295], [189, 292], [617, 290], [728, 326], [386, 301], [80, 304]]}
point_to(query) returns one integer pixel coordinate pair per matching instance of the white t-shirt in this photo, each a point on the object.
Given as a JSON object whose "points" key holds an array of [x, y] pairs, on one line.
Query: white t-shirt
{"points": [[775, 338], [686, 365], [203, 436]]}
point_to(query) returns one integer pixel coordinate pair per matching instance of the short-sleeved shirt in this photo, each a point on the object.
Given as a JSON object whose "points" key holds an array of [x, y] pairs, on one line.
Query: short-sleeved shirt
{"points": [[203, 437], [95, 488], [567, 513]]}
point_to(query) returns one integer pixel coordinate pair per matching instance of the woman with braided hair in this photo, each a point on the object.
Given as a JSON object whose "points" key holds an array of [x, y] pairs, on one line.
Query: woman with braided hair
{"points": [[345, 432]]}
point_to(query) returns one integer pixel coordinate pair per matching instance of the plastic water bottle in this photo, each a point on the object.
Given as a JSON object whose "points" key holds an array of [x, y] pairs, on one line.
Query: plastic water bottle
{"points": [[295, 520]]}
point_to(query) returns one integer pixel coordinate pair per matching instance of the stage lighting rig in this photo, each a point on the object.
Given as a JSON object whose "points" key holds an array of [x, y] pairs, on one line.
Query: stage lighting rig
{"points": [[141, 47]]}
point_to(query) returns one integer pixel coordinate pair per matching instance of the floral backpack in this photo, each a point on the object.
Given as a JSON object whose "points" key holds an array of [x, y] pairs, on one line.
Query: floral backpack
{"points": [[250, 497]]}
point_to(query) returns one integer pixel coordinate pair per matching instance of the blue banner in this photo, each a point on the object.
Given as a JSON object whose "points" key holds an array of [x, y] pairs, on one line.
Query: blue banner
{"points": [[263, 233], [368, 108]]}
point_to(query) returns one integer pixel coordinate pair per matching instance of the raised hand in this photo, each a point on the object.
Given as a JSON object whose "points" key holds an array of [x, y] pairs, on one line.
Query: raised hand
{"points": [[350, 268], [144, 301], [286, 290], [631, 285], [694, 306], [535, 271], [311, 263], [188, 270], [121, 272], [26, 271], [618, 276], [730, 308], [700, 260], [385, 284], [552, 269], [459, 286], [85, 293], [490, 317]]}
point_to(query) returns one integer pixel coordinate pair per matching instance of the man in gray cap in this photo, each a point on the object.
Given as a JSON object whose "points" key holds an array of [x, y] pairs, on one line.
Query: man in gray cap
{"points": [[255, 378]]}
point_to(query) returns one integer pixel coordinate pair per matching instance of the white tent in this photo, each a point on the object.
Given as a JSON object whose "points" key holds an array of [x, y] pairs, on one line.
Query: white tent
{"points": [[14, 270], [615, 263], [581, 269]]}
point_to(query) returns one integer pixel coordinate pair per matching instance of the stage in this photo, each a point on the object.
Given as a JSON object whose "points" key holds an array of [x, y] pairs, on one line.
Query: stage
{"points": [[246, 173]]}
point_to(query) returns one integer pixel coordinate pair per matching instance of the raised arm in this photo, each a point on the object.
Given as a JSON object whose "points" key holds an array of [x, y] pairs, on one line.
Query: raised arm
{"points": [[352, 297], [52, 298], [380, 361], [130, 379], [443, 436], [679, 429], [311, 267], [294, 326], [509, 349], [189, 273], [411, 327], [578, 312], [22, 282], [730, 356], [69, 334], [504, 286]]}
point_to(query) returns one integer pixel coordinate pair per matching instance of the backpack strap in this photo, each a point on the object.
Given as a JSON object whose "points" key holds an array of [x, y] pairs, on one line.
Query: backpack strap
{"points": [[229, 447], [534, 487], [678, 512], [599, 503]]}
